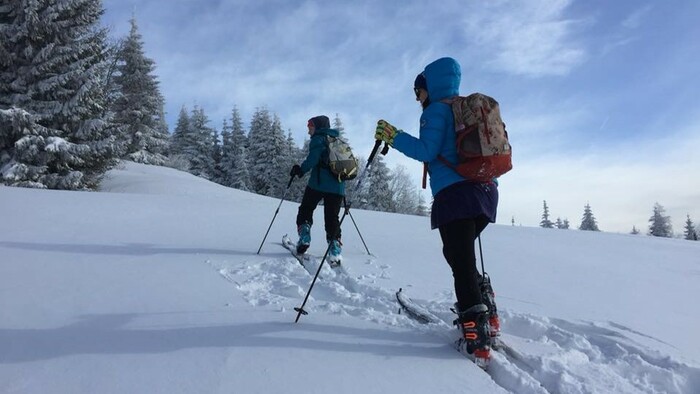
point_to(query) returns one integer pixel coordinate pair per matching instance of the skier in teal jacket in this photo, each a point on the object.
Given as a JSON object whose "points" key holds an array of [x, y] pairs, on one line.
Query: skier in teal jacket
{"points": [[322, 185]]}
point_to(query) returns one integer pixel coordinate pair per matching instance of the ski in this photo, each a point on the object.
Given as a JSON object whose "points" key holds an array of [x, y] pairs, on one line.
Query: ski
{"points": [[304, 259], [422, 315], [415, 311], [310, 262]]}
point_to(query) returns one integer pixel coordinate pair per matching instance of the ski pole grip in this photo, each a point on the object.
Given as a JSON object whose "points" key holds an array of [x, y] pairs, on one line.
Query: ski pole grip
{"points": [[377, 144], [385, 149]]}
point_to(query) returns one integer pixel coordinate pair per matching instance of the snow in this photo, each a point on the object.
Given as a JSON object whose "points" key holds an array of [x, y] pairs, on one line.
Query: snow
{"points": [[153, 285]]}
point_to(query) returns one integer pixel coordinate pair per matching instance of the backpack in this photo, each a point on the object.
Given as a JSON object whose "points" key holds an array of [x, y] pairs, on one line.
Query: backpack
{"points": [[340, 159], [482, 143]]}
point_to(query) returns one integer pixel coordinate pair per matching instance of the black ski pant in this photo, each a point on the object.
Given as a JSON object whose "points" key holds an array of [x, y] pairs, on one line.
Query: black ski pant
{"points": [[331, 209], [458, 248]]}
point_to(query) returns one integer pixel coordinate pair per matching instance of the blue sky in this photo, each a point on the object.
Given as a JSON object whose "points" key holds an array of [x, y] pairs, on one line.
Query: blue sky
{"points": [[599, 97]]}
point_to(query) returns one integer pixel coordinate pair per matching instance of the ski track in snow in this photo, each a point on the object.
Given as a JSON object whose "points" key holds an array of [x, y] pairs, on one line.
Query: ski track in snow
{"points": [[552, 355]]}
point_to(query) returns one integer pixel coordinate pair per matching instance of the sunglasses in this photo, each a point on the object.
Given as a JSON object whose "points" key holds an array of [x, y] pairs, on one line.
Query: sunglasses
{"points": [[417, 91]]}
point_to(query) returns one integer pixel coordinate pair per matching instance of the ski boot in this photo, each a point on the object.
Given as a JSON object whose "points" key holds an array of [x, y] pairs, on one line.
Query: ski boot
{"points": [[489, 298], [304, 231], [334, 257], [475, 339]]}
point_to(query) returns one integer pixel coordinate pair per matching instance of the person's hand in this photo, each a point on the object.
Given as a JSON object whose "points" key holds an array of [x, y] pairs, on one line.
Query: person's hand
{"points": [[386, 132], [296, 171]]}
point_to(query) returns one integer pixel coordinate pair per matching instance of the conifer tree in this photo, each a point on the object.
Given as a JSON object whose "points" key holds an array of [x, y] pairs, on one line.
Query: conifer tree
{"points": [[562, 224], [690, 233], [53, 59], [138, 110], [635, 230], [178, 141], [338, 125], [659, 223], [266, 147], [403, 190], [200, 144], [295, 155], [545, 222], [422, 208], [379, 196], [224, 165], [588, 222], [239, 177], [285, 158]]}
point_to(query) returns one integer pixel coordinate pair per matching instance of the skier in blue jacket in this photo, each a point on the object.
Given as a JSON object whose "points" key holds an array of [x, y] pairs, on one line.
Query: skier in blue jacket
{"points": [[322, 185], [461, 209]]}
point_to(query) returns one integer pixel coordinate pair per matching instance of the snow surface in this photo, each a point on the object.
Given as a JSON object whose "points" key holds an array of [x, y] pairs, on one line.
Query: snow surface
{"points": [[154, 286]]}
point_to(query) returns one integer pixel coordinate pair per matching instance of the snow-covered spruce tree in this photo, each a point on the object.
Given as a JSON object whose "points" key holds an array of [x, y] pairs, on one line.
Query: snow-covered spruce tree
{"points": [[338, 125], [422, 209], [404, 191], [379, 196], [296, 156], [178, 141], [226, 152], [216, 172], [138, 110], [285, 159], [239, 177], [635, 230], [545, 222], [200, 144], [588, 222], [660, 224], [565, 224], [266, 142], [689, 232], [52, 79], [27, 148], [562, 224]]}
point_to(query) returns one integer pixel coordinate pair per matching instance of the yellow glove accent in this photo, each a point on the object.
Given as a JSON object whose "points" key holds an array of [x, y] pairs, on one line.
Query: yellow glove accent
{"points": [[386, 132]]}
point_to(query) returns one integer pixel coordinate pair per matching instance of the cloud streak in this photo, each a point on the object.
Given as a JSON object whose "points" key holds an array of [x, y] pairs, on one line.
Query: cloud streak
{"points": [[531, 39]]}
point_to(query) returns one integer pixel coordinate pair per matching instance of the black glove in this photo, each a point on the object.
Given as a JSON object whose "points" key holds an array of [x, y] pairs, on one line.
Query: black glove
{"points": [[296, 171]]}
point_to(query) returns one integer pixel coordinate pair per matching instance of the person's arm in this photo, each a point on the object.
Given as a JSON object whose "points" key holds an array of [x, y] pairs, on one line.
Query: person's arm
{"points": [[316, 147], [427, 146]]}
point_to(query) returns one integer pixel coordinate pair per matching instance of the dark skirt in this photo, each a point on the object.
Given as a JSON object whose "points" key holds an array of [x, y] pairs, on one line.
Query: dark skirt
{"points": [[464, 200]]}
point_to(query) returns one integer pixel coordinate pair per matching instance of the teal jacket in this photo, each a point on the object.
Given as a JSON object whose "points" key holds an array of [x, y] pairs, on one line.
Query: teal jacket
{"points": [[321, 178], [437, 129]]}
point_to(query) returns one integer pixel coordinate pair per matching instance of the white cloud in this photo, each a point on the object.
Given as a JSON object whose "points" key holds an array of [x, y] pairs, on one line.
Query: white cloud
{"points": [[526, 38], [634, 20]]}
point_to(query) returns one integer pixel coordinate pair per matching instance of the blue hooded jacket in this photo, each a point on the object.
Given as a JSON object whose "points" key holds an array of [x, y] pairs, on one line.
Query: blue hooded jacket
{"points": [[437, 130], [454, 196], [321, 178]]}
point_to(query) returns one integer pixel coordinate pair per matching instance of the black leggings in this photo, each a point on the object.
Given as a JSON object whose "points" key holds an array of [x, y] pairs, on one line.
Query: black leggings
{"points": [[331, 209], [458, 248]]}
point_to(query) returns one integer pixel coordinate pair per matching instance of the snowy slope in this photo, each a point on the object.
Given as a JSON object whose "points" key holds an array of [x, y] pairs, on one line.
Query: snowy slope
{"points": [[153, 286]]}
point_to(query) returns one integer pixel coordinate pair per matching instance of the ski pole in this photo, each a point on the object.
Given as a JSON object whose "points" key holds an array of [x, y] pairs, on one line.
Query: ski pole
{"points": [[481, 256], [359, 233], [300, 310], [278, 209]]}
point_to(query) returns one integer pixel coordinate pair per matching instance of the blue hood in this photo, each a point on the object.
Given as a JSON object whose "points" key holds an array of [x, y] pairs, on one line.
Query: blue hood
{"points": [[443, 77]]}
